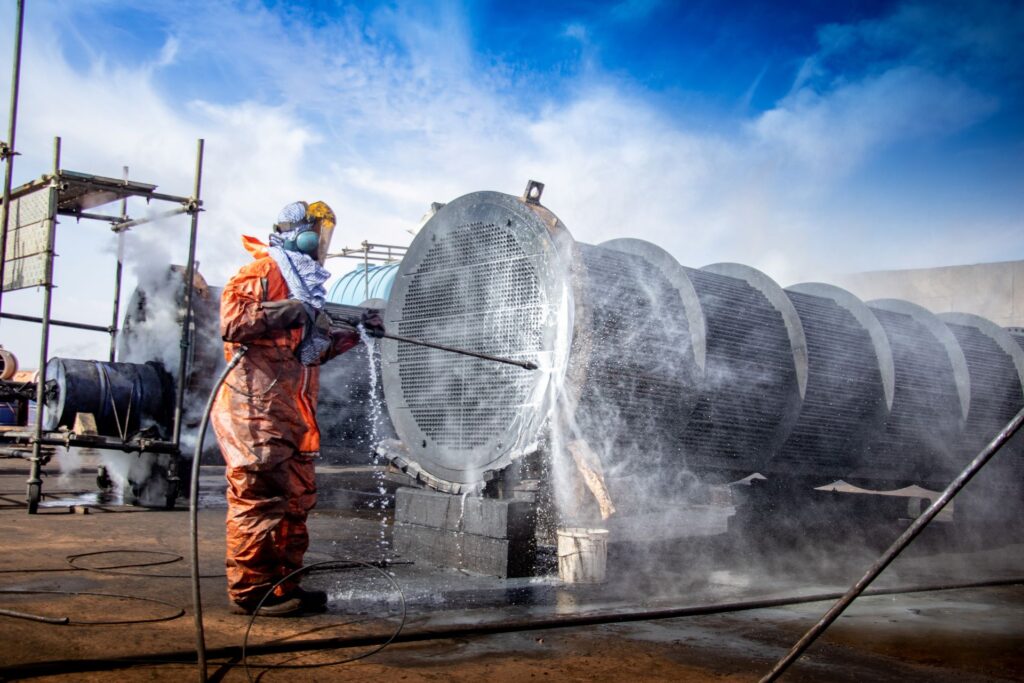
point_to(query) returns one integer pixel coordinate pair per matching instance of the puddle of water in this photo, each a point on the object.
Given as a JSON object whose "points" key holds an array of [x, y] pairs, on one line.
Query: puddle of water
{"points": [[83, 498]]}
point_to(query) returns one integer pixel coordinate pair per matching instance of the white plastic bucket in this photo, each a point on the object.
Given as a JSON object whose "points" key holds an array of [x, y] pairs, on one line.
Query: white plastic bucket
{"points": [[582, 555]]}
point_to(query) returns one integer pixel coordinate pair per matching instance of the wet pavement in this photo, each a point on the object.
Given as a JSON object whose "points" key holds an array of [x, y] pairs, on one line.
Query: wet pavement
{"points": [[963, 634]]}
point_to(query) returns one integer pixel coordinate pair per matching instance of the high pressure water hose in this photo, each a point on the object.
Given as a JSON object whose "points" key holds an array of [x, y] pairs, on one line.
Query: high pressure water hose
{"points": [[193, 516]]}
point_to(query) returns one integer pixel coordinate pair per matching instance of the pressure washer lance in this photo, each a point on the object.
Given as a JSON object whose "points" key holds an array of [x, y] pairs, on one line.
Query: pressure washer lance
{"points": [[353, 315]]}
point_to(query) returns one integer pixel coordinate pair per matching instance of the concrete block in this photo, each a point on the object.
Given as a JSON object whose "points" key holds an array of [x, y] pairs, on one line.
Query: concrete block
{"points": [[499, 557], [493, 518]]}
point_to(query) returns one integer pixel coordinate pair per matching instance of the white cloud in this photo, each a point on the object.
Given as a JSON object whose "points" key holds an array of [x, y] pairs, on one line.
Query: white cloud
{"points": [[833, 132], [381, 115], [168, 52]]}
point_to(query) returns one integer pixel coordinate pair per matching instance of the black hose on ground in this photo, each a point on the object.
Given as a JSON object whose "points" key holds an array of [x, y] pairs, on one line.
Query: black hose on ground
{"points": [[468, 630], [66, 621], [193, 517], [318, 567]]}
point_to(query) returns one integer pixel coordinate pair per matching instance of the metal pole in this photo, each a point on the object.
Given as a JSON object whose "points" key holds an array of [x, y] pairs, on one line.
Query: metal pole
{"points": [[8, 151], [366, 269], [897, 547], [35, 483], [34, 617], [117, 275], [186, 324], [123, 225], [525, 364], [58, 323]]}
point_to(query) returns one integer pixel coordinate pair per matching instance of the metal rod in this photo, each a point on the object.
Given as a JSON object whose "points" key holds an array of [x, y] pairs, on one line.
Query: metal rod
{"points": [[34, 483], [525, 364], [352, 316], [34, 617], [12, 125], [68, 439], [120, 223], [375, 259], [79, 215], [897, 547], [366, 269], [118, 272], [186, 323], [371, 247], [123, 225], [123, 189], [167, 197], [58, 323]]}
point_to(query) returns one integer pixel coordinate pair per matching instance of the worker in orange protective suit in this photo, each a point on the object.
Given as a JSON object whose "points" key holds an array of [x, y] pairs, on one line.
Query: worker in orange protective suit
{"points": [[265, 416]]}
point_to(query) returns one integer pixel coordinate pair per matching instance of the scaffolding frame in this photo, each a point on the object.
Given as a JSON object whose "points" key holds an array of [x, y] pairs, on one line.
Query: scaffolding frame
{"points": [[73, 194]]}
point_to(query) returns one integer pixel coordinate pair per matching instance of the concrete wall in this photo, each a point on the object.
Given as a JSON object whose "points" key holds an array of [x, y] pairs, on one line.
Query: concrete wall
{"points": [[992, 290]]}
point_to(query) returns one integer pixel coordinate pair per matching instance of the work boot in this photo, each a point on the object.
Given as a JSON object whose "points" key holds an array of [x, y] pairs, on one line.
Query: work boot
{"points": [[312, 601], [273, 606]]}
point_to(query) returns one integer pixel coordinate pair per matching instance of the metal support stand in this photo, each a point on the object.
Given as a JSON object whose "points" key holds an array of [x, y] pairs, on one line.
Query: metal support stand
{"points": [[173, 475], [35, 483], [119, 271], [34, 209]]}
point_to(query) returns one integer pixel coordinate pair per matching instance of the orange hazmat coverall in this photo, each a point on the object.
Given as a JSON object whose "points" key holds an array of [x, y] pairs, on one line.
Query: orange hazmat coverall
{"points": [[265, 421]]}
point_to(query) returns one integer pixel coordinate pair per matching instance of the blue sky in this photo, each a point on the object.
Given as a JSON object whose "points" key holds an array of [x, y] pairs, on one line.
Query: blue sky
{"points": [[803, 139]]}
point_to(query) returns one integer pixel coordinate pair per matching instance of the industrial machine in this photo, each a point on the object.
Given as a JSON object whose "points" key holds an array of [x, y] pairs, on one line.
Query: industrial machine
{"points": [[671, 373]]}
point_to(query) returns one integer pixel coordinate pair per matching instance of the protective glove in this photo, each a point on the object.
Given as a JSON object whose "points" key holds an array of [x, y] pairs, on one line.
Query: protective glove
{"points": [[285, 315], [372, 323], [343, 338]]}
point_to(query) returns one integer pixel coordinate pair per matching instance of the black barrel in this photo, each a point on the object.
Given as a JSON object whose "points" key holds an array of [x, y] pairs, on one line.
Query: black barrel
{"points": [[125, 398]]}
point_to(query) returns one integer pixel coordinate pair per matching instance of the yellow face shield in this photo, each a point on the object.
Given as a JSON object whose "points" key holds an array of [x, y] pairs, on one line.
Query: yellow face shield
{"points": [[325, 221]]}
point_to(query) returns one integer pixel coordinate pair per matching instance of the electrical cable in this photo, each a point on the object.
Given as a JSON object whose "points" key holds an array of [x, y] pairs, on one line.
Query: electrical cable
{"points": [[343, 563], [193, 513]]}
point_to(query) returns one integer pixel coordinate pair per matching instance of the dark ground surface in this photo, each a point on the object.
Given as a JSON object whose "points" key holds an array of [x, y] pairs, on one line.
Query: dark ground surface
{"points": [[972, 634]]}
